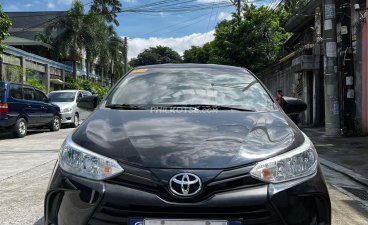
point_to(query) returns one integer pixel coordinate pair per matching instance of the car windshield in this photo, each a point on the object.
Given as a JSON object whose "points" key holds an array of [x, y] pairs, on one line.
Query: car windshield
{"points": [[62, 96], [191, 86]]}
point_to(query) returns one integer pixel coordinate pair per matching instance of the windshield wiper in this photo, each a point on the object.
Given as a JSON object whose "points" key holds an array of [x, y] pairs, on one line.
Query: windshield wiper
{"points": [[125, 106], [215, 107]]}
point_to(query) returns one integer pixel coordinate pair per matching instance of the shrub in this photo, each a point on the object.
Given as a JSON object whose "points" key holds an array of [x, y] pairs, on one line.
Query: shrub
{"points": [[94, 88], [36, 84]]}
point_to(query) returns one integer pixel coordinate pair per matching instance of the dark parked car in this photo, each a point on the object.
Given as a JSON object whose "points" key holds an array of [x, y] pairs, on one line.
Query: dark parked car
{"points": [[188, 144], [23, 106]]}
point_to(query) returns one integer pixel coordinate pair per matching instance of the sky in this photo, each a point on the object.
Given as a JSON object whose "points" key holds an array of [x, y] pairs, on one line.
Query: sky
{"points": [[192, 23]]}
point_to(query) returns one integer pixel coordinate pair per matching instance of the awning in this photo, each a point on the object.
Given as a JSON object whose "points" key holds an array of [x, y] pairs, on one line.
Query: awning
{"points": [[56, 81]]}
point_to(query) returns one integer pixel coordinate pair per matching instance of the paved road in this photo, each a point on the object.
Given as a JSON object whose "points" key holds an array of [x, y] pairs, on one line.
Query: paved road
{"points": [[26, 165]]}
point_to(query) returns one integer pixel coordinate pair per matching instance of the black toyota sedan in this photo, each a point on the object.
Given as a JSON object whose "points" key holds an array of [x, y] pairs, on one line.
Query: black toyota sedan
{"points": [[188, 144]]}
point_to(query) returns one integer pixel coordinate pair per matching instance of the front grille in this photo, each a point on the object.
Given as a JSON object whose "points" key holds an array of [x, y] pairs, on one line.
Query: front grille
{"points": [[114, 214], [146, 180]]}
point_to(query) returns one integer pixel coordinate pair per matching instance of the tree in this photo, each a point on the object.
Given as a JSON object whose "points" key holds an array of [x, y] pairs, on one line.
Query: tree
{"points": [[253, 41], [292, 6], [5, 24], [70, 42], [199, 54], [108, 9], [156, 55]]}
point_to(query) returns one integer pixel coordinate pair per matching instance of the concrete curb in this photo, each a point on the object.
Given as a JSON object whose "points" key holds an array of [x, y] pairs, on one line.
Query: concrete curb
{"points": [[347, 172]]}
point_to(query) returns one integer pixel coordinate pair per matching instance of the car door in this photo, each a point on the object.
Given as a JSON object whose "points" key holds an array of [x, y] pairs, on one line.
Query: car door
{"points": [[33, 108], [47, 110]]}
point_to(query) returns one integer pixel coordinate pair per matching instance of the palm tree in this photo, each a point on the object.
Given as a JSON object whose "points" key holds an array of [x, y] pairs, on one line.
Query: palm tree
{"points": [[70, 42], [108, 9]]}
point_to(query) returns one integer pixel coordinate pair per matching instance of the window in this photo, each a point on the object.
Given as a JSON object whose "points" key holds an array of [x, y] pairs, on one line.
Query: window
{"points": [[29, 94], [40, 96], [16, 91], [62, 96], [183, 86]]}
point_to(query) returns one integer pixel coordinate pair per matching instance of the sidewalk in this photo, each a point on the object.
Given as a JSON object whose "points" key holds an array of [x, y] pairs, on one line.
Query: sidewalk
{"points": [[348, 155]]}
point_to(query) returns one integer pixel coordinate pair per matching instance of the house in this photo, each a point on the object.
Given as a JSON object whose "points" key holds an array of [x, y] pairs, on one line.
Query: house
{"points": [[324, 65]]}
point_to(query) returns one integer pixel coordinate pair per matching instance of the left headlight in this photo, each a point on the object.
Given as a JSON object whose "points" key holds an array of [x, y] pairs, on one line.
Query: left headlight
{"points": [[66, 110], [297, 163], [79, 161]]}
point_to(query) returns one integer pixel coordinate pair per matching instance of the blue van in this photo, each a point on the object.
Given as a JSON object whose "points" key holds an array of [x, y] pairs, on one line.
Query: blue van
{"points": [[24, 106]]}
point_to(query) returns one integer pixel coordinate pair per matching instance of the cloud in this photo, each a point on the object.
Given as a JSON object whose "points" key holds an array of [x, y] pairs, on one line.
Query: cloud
{"points": [[211, 1], [179, 44], [50, 5], [66, 2], [129, 1], [27, 5], [224, 16], [11, 8]]}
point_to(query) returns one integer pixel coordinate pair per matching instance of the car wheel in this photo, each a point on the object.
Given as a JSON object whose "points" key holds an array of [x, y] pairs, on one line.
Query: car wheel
{"points": [[20, 128], [55, 124], [76, 121]]}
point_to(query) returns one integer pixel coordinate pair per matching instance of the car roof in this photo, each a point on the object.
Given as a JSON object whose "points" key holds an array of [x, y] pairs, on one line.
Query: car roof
{"points": [[67, 90], [192, 65], [25, 85]]}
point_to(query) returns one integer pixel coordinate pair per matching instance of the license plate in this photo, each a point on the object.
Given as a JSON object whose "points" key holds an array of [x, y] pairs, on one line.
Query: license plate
{"points": [[184, 222]]}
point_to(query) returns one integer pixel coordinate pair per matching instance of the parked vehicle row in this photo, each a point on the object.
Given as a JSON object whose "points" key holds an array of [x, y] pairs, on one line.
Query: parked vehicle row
{"points": [[24, 106]]}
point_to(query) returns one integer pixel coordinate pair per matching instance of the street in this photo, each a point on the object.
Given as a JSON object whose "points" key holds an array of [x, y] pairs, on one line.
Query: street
{"points": [[26, 165]]}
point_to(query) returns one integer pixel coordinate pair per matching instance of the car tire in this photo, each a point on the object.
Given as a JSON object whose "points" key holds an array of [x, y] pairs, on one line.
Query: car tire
{"points": [[20, 128], [55, 123], [76, 120]]}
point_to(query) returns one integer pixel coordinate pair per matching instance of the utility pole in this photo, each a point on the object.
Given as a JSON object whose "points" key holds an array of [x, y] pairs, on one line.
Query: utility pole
{"points": [[237, 4], [347, 73], [332, 108], [125, 55]]}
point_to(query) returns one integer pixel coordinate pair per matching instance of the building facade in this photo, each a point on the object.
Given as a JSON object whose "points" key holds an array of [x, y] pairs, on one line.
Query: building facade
{"points": [[324, 65]]}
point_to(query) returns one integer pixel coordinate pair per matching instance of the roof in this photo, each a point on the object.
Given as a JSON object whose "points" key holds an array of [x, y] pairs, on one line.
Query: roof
{"points": [[191, 65], [29, 24], [18, 41], [66, 91], [303, 18]]}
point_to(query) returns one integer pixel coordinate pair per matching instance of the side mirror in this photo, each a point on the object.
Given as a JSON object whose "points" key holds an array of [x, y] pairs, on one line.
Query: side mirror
{"points": [[88, 102], [293, 105]]}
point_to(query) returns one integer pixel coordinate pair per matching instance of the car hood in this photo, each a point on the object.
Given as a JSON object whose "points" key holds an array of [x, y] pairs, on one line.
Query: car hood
{"points": [[64, 105], [220, 139]]}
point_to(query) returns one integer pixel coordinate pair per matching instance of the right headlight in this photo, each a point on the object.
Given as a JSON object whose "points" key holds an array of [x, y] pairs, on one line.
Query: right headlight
{"points": [[297, 163], [79, 161], [66, 110]]}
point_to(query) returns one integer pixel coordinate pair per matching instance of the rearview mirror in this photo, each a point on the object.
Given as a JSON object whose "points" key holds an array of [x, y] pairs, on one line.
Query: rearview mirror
{"points": [[293, 105], [88, 102]]}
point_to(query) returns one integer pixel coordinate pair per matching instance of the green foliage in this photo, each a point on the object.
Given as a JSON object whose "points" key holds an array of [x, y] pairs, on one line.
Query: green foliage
{"points": [[107, 8], [91, 32], [156, 55], [5, 24], [13, 73], [36, 84], [198, 54], [94, 88], [253, 42], [292, 6], [45, 37]]}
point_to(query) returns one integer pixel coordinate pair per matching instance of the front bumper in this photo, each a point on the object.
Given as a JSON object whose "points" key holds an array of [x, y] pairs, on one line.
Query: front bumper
{"points": [[67, 118], [79, 201]]}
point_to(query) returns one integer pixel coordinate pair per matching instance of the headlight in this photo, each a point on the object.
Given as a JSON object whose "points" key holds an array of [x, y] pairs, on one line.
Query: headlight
{"points": [[294, 164], [66, 110], [79, 161]]}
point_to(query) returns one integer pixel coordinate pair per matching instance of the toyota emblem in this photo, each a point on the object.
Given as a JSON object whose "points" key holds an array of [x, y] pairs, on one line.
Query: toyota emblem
{"points": [[185, 184]]}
